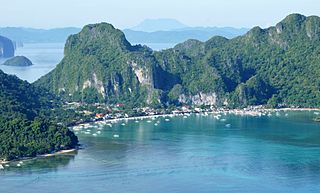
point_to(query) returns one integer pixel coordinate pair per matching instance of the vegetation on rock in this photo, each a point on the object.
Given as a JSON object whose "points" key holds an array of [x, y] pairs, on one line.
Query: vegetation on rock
{"points": [[276, 66]]}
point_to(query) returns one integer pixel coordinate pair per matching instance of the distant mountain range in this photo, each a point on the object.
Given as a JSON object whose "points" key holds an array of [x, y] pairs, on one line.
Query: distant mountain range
{"points": [[173, 31], [149, 31], [153, 25], [183, 34], [31, 35]]}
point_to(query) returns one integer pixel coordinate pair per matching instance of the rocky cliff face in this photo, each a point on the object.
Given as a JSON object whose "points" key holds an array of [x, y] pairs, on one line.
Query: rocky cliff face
{"points": [[275, 65], [6, 47]]}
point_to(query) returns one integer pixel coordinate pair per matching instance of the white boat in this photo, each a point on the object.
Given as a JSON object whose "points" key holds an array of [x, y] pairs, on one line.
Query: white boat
{"points": [[94, 134], [1, 167], [149, 121], [116, 136], [156, 124], [216, 117], [167, 119], [123, 124], [228, 125], [18, 165], [76, 128]]}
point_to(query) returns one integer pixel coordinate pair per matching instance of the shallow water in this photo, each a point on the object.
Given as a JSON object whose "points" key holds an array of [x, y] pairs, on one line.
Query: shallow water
{"points": [[196, 154]]}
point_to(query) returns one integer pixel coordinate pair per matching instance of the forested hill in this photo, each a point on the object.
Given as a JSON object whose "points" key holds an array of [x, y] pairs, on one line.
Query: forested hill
{"points": [[279, 65], [25, 126]]}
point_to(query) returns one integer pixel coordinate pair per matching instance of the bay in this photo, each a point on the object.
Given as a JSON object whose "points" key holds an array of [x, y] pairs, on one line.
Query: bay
{"points": [[192, 154]]}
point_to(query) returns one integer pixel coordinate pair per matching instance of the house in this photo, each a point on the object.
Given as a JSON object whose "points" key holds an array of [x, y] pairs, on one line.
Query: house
{"points": [[120, 105], [99, 116]]}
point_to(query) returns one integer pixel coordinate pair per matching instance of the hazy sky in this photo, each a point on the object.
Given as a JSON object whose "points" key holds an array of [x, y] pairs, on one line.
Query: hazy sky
{"points": [[127, 13]]}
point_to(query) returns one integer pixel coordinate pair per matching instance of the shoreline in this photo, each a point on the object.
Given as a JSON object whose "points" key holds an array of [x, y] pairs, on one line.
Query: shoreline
{"points": [[243, 112], [58, 153], [61, 152]]}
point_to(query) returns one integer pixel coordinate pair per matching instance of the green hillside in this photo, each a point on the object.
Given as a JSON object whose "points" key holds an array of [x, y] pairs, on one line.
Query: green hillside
{"points": [[26, 127], [276, 66]]}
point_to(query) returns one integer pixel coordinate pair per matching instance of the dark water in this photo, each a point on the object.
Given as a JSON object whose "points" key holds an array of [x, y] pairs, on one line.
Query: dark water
{"points": [[194, 154]]}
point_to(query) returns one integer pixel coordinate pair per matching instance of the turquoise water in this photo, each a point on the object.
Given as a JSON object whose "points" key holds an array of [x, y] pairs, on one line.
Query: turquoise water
{"points": [[194, 154]]}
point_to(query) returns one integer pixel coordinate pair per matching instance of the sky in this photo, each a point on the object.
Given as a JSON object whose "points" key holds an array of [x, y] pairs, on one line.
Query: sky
{"points": [[128, 13]]}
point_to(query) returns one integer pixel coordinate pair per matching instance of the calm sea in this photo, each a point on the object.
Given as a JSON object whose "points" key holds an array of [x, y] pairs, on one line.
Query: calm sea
{"points": [[44, 56], [196, 154]]}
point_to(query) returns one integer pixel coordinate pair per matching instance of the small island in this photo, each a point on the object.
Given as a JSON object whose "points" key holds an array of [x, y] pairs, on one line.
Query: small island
{"points": [[18, 61]]}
